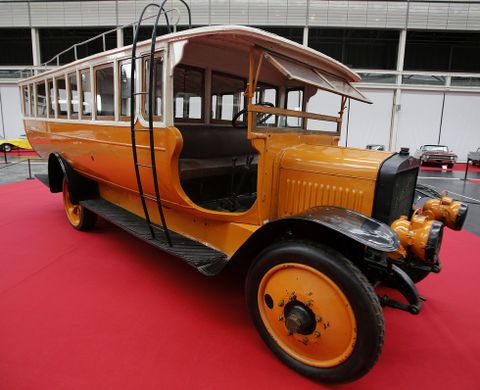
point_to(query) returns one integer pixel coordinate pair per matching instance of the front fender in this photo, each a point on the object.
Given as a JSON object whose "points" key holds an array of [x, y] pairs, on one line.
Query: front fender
{"points": [[365, 230], [344, 230]]}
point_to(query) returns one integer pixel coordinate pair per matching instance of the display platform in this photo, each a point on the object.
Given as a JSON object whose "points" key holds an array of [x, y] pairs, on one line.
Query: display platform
{"points": [[456, 167], [104, 310]]}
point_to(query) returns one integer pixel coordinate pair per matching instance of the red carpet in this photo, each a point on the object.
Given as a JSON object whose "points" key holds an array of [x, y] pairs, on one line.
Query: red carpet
{"points": [[456, 167], [20, 152], [103, 310]]}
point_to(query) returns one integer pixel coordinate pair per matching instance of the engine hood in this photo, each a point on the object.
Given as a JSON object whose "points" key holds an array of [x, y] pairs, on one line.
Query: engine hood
{"points": [[334, 160]]}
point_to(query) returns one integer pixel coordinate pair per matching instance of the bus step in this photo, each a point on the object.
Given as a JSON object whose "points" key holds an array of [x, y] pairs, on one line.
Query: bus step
{"points": [[206, 260], [43, 178]]}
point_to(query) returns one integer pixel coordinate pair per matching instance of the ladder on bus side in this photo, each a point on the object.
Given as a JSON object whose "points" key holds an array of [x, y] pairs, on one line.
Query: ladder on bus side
{"points": [[152, 166]]}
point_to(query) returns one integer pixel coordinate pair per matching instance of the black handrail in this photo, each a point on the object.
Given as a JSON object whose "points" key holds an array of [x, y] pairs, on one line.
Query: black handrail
{"points": [[161, 9]]}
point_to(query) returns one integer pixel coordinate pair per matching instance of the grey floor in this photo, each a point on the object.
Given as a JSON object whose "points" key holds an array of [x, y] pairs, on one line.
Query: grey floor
{"points": [[457, 188], [16, 168], [452, 181]]}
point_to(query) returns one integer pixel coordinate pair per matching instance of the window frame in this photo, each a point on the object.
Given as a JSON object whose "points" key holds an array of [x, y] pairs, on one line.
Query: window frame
{"points": [[202, 108], [120, 63], [71, 114], [31, 95], [143, 84], [245, 100], [304, 105], [81, 114], [37, 115], [25, 93], [98, 117], [57, 96], [51, 111]]}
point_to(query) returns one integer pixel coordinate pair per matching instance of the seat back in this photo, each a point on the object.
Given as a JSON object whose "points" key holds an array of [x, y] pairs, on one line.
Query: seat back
{"points": [[204, 141]]}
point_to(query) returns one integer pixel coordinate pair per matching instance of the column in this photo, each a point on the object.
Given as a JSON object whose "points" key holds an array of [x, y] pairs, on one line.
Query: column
{"points": [[305, 36], [120, 42], [36, 46], [397, 95]]}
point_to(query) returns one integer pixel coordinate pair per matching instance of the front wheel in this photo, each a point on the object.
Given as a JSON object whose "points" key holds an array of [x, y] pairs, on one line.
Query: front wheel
{"points": [[315, 310], [78, 216], [7, 147]]}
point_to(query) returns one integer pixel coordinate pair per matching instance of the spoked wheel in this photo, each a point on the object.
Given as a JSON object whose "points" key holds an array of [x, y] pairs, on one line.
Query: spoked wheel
{"points": [[78, 216], [316, 311]]}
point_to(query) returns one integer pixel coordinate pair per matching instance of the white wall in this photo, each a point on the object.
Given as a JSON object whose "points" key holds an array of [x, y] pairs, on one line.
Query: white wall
{"points": [[11, 124], [419, 120], [368, 123], [461, 123]]}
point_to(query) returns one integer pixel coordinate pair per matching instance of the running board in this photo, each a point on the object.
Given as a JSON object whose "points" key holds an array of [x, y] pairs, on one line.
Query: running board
{"points": [[206, 260], [43, 178]]}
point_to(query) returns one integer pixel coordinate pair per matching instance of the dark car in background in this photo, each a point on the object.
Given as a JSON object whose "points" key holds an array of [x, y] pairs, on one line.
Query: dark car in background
{"points": [[436, 155], [474, 157], [375, 147]]}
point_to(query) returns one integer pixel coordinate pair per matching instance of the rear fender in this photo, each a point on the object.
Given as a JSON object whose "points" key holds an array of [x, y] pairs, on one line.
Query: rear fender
{"points": [[80, 187]]}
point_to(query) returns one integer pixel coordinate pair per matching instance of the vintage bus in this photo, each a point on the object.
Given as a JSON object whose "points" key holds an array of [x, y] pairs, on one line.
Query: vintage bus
{"points": [[211, 144]]}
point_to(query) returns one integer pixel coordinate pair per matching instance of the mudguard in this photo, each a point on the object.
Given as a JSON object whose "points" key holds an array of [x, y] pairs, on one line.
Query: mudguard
{"points": [[342, 229], [365, 230], [80, 187]]}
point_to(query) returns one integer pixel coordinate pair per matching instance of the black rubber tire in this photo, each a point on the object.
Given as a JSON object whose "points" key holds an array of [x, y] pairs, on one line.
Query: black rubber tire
{"points": [[7, 147], [88, 219], [363, 300]]}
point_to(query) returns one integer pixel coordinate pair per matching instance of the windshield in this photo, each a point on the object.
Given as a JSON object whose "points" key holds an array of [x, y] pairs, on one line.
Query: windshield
{"points": [[435, 148]]}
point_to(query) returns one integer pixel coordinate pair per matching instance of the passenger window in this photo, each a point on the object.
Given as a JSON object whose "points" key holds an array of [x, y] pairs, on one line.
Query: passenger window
{"points": [[61, 97], [26, 101], [73, 95], [51, 98], [294, 102], [188, 93], [41, 99], [227, 97], [125, 80], [266, 94], [157, 87], [86, 94], [105, 105]]}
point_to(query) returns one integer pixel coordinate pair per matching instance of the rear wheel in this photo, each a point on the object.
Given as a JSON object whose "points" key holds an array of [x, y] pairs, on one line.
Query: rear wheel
{"points": [[316, 311], [78, 216]]}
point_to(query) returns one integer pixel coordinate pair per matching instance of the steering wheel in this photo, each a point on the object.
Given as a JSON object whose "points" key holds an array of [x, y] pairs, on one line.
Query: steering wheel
{"points": [[262, 117]]}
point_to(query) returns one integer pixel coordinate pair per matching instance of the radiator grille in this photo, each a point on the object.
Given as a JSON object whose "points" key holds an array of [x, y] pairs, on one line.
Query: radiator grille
{"points": [[403, 190], [300, 195]]}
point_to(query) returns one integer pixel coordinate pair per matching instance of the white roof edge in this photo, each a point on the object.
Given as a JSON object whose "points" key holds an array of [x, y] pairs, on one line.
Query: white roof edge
{"points": [[318, 59]]}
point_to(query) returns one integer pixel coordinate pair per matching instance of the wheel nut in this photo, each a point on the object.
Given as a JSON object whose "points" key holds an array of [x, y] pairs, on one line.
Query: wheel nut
{"points": [[280, 318], [309, 303], [293, 297], [316, 333], [318, 318], [305, 340], [281, 303]]}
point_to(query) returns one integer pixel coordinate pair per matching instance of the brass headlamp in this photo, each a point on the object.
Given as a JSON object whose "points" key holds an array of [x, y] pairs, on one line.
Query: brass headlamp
{"points": [[420, 236], [451, 212]]}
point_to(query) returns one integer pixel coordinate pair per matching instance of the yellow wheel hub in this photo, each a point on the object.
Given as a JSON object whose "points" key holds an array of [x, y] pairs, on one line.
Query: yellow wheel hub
{"points": [[307, 315], [73, 211]]}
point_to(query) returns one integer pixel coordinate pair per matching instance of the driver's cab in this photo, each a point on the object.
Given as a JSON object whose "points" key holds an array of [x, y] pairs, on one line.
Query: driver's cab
{"points": [[228, 91]]}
